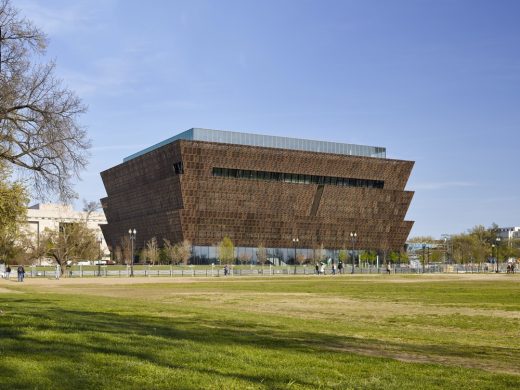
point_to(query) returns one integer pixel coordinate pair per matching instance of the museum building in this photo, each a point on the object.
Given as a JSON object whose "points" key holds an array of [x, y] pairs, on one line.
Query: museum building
{"points": [[203, 185]]}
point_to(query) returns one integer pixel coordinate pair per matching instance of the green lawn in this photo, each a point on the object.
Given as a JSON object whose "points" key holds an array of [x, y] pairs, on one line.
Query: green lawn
{"points": [[378, 332]]}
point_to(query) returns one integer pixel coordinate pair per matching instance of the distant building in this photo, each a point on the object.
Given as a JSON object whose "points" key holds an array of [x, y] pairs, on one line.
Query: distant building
{"points": [[285, 194], [509, 233], [50, 216]]}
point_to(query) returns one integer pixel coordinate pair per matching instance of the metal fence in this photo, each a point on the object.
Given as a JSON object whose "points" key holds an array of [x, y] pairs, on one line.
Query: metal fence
{"points": [[115, 271]]}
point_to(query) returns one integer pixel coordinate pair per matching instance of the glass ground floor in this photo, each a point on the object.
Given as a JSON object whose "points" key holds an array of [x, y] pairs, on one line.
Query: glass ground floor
{"points": [[275, 256]]}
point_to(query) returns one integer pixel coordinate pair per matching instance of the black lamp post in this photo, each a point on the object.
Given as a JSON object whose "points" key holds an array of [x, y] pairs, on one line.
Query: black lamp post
{"points": [[498, 247], [353, 238], [423, 257], [428, 260], [132, 233], [100, 241], [493, 252], [295, 243], [445, 251]]}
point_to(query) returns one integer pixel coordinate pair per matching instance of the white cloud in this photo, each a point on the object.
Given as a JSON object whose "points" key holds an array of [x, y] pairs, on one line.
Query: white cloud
{"points": [[112, 76], [65, 17]]}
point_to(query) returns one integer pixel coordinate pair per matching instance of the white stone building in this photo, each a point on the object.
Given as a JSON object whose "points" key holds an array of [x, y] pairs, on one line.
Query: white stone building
{"points": [[509, 233], [49, 216]]}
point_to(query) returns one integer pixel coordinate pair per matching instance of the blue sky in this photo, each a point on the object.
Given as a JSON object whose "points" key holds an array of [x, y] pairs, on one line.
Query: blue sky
{"points": [[437, 82]]}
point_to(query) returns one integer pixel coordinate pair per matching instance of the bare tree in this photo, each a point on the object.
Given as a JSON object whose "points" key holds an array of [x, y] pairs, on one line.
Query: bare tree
{"points": [[72, 241], [39, 130], [300, 258], [172, 251], [319, 253], [152, 250], [244, 258], [143, 255], [118, 254], [185, 249], [261, 254], [90, 207], [126, 249], [33, 248]]}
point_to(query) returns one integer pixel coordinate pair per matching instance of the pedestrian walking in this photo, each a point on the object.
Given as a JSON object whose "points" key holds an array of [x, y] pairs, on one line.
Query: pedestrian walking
{"points": [[7, 272], [322, 269], [340, 267], [317, 267], [57, 272], [226, 270], [333, 268], [388, 268], [21, 273]]}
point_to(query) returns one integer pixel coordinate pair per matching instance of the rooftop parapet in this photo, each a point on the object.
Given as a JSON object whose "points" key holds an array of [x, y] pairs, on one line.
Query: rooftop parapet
{"points": [[268, 141]]}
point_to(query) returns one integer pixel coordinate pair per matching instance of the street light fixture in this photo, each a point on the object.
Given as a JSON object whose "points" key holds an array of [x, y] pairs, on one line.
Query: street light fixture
{"points": [[295, 243], [99, 241], [428, 260], [498, 247], [493, 252], [132, 233], [423, 257], [353, 238]]}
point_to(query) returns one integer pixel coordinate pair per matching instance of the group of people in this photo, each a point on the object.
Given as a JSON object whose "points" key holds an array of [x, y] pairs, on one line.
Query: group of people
{"points": [[511, 268], [20, 270], [319, 268]]}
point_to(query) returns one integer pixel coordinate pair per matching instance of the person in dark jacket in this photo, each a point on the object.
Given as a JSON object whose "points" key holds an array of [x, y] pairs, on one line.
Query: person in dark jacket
{"points": [[21, 273]]}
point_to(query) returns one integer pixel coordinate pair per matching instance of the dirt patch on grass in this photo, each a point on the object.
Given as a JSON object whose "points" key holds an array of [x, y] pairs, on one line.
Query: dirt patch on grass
{"points": [[8, 291], [486, 365]]}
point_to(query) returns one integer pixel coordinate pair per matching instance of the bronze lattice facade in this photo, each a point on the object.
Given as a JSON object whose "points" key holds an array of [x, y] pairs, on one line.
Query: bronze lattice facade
{"points": [[203, 191]]}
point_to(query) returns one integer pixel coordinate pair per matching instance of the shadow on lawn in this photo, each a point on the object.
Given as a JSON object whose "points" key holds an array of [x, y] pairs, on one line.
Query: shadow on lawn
{"points": [[144, 337]]}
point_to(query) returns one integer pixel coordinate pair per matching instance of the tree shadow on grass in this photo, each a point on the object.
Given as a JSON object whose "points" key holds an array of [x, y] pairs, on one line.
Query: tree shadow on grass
{"points": [[144, 337]]}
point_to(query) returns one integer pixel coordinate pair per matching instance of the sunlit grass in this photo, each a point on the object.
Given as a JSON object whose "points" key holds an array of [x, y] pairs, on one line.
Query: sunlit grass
{"points": [[365, 332]]}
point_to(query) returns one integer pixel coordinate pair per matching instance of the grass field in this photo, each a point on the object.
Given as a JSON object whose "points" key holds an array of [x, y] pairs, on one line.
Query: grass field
{"points": [[369, 332]]}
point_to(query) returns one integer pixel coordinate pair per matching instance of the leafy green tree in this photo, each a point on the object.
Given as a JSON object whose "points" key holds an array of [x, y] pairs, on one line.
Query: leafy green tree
{"points": [[342, 255], [226, 251], [394, 256], [463, 248], [368, 256], [163, 256], [13, 211]]}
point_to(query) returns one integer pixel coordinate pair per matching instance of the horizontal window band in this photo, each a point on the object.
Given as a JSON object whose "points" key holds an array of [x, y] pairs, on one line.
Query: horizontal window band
{"points": [[297, 178]]}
